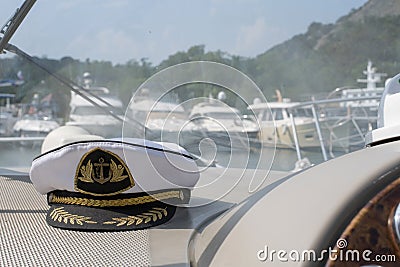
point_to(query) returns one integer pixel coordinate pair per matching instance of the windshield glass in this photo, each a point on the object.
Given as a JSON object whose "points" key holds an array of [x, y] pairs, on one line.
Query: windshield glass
{"points": [[92, 110], [164, 61], [153, 115], [222, 115]]}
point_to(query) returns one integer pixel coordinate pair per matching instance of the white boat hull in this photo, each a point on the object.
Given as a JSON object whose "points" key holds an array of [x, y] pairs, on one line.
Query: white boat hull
{"points": [[281, 135]]}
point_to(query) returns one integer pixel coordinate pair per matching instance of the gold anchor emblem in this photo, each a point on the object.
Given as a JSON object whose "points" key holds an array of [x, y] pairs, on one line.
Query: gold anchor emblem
{"points": [[100, 172], [114, 173], [99, 167]]}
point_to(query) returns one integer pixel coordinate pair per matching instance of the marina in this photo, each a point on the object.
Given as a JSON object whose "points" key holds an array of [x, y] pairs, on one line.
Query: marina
{"points": [[279, 135], [95, 119]]}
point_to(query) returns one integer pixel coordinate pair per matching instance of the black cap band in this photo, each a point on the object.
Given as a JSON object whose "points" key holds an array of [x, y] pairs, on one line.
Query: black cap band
{"points": [[71, 210]]}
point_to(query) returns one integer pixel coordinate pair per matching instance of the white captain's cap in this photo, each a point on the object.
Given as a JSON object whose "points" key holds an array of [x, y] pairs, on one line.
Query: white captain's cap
{"points": [[112, 185]]}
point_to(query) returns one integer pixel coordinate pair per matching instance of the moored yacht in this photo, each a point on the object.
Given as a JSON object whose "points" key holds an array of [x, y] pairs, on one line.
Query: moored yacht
{"points": [[277, 126], [224, 124], [35, 125], [94, 119], [163, 120], [361, 109], [97, 120]]}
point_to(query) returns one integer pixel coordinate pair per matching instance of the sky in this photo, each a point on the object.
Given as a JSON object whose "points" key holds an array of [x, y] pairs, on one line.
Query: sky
{"points": [[122, 30]]}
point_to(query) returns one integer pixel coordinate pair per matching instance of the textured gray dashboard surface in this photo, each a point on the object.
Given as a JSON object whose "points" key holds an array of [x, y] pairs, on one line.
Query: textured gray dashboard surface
{"points": [[27, 240]]}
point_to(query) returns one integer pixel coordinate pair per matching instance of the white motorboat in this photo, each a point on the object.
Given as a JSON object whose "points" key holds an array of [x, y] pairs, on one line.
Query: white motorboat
{"points": [[224, 124], [95, 120], [345, 116], [351, 112], [34, 125], [163, 120], [361, 108], [277, 126]]}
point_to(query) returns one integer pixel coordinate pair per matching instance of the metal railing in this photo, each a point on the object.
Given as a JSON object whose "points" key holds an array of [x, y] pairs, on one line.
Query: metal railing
{"points": [[316, 116]]}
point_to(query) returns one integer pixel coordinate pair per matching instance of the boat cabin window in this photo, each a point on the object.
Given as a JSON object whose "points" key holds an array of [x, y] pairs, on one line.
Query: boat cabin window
{"points": [[302, 112], [275, 114]]}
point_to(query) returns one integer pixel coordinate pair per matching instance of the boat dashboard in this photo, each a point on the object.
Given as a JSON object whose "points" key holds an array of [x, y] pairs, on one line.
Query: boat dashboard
{"points": [[27, 240]]}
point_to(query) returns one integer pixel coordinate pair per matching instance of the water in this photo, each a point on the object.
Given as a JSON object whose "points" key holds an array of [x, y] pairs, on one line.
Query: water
{"points": [[15, 155], [281, 159]]}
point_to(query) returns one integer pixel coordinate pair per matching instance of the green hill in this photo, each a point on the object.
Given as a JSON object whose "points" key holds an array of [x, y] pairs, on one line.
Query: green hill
{"points": [[331, 56]]}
